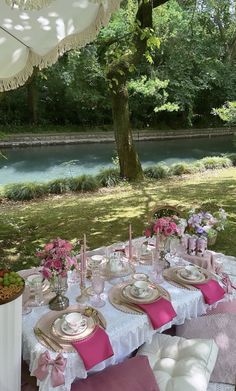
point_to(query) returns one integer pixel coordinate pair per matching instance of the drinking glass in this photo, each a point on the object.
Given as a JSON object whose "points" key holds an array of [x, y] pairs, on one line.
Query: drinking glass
{"points": [[157, 269], [98, 284], [37, 285], [25, 301], [176, 249]]}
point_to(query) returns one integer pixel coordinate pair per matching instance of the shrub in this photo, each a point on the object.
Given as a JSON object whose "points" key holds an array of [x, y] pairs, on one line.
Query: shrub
{"points": [[57, 186], [232, 157], [197, 167], [214, 162], [83, 183], [180, 169], [109, 177], [159, 171], [24, 191]]}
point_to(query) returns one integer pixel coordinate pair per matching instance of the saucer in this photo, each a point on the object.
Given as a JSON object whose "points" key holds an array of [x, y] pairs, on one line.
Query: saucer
{"points": [[152, 295], [67, 330], [191, 278]]}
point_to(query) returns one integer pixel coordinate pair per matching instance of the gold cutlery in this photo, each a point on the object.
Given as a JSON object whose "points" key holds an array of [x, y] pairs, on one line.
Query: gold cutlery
{"points": [[49, 340], [90, 311], [130, 306]]}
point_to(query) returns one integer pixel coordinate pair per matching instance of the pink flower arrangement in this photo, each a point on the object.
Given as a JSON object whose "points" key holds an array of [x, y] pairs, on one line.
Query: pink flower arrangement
{"points": [[57, 258], [164, 226]]}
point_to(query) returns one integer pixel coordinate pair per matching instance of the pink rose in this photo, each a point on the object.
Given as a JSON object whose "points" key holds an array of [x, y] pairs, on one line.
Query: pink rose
{"points": [[48, 246], [168, 231], [147, 232], [57, 264], [48, 264], [46, 274]]}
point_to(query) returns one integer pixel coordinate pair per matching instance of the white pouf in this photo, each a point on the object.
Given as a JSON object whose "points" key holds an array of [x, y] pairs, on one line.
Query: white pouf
{"points": [[10, 345], [181, 364]]}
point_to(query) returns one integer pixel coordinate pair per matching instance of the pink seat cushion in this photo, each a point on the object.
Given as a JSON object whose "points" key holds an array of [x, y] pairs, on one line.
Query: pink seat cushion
{"points": [[219, 324], [134, 374]]}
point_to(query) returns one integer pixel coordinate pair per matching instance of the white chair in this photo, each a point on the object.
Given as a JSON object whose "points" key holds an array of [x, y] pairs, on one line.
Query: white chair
{"points": [[181, 364]]}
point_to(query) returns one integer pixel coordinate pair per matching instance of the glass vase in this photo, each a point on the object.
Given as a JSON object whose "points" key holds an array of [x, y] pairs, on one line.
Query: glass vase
{"points": [[164, 249], [59, 285]]}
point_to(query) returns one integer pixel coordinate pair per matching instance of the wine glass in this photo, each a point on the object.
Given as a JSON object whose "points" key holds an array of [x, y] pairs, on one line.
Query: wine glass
{"points": [[98, 284], [37, 285], [157, 268]]}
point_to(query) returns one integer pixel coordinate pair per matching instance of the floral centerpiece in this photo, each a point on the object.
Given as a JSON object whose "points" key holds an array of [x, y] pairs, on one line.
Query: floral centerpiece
{"points": [[206, 224], [166, 227], [57, 258]]}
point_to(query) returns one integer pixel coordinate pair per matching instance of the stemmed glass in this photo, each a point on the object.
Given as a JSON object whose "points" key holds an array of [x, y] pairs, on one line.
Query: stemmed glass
{"points": [[25, 300], [98, 284], [176, 249], [157, 268]]}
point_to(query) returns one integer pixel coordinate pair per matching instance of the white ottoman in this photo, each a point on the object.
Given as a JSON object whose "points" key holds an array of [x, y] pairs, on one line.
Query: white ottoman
{"points": [[181, 364]]}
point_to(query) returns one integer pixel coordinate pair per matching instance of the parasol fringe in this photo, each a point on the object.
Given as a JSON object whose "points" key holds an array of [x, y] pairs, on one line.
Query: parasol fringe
{"points": [[36, 4], [74, 41]]}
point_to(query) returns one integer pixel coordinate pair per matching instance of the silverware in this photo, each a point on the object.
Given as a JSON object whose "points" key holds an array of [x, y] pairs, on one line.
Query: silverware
{"points": [[130, 306], [90, 311], [49, 340]]}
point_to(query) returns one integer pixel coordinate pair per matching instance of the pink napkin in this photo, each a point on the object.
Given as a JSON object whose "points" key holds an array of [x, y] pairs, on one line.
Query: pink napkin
{"points": [[211, 290], [160, 312], [95, 348]]}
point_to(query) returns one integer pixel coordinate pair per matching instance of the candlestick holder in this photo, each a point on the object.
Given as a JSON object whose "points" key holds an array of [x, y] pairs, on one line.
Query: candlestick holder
{"points": [[83, 297]]}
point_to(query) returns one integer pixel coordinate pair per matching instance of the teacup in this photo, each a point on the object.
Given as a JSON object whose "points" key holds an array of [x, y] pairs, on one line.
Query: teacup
{"points": [[74, 321], [192, 270], [140, 288], [97, 258], [140, 277]]}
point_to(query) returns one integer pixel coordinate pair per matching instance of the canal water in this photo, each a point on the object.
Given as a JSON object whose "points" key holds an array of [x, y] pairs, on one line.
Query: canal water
{"points": [[49, 162]]}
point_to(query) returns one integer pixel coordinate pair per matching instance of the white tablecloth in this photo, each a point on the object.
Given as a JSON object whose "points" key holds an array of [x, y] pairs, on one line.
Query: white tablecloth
{"points": [[126, 332]]}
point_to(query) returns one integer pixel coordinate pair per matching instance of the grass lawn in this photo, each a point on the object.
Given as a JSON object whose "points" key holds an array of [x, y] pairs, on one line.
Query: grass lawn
{"points": [[104, 216]]}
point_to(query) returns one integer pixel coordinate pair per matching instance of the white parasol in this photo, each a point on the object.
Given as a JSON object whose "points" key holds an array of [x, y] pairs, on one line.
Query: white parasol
{"points": [[37, 37]]}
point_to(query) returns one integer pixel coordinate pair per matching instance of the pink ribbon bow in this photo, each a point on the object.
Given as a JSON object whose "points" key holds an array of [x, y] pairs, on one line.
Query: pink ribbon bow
{"points": [[58, 366], [227, 283]]}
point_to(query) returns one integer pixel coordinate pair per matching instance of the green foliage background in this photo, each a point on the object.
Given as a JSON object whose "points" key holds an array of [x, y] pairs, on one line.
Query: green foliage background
{"points": [[191, 70]]}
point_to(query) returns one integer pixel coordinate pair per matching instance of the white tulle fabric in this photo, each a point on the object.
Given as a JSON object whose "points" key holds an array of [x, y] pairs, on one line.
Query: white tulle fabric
{"points": [[126, 332]]}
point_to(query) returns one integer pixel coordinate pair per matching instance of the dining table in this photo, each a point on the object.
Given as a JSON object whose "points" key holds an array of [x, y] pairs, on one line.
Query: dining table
{"points": [[126, 331]]}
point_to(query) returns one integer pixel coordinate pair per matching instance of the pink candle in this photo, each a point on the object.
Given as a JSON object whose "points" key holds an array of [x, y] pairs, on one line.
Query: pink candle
{"points": [[130, 243], [82, 266], [85, 249], [157, 245]]}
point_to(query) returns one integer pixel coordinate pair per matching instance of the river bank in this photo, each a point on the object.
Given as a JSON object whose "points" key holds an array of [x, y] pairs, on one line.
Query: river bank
{"points": [[60, 138]]}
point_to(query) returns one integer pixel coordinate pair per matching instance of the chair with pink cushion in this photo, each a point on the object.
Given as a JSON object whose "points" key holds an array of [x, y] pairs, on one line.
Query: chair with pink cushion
{"points": [[133, 374]]}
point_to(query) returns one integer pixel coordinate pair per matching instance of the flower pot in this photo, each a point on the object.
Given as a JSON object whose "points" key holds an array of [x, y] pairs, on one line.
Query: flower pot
{"points": [[211, 240]]}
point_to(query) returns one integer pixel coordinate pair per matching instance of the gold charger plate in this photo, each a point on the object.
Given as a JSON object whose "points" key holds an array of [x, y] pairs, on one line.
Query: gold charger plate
{"points": [[56, 328], [46, 321], [171, 276], [153, 295], [187, 279], [115, 296]]}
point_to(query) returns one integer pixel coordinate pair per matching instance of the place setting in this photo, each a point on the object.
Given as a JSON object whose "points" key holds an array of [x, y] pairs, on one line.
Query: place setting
{"points": [[75, 329], [193, 277], [140, 297]]}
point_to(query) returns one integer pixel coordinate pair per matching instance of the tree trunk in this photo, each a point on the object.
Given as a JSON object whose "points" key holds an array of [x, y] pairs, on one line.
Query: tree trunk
{"points": [[130, 166]]}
